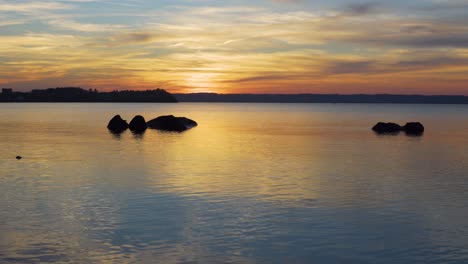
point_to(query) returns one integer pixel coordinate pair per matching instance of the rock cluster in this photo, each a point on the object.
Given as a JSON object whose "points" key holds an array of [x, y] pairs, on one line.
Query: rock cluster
{"points": [[412, 128], [139, 125]]}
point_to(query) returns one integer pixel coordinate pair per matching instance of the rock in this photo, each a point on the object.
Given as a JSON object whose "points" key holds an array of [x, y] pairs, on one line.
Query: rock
{"points": [[138, 124], [117, 124], [18, 157], [171, 123], [386, 128], [413, 128]]}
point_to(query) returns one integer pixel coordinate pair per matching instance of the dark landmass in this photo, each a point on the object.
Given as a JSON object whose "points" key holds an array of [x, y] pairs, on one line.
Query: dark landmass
{"points": [[76, 94], [323, 98]]}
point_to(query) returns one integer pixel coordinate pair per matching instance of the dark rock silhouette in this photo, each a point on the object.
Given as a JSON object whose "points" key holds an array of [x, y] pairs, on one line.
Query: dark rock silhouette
{"points": [[138, 124], [386, 128], [413, 128], [171, 123], [18, 157], [117, 124]]}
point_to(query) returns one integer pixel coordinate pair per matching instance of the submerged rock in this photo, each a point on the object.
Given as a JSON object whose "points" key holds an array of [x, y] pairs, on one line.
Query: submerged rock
{"points": [[386, 128], [117, 124], [138, 124], [171, 123], [413, 128]]}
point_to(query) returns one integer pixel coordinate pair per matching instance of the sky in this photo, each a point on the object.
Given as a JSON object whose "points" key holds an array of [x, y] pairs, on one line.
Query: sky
{"points": [[255, 46]]}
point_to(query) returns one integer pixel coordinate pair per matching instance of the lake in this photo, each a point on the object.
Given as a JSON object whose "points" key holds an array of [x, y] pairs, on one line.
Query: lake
{"points": [[253, 183]]}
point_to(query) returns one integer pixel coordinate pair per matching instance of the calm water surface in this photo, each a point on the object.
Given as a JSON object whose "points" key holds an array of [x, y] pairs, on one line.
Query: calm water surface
{"points": [[253, 183]]}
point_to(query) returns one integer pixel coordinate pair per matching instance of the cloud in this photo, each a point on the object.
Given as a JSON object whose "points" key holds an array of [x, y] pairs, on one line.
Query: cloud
{"points": [[10, 22], [445, 40], [84, 27], [360, 9], [269, 77], [447, 4], [418, 37], [32, 6], [346, 67], [287, 1]]}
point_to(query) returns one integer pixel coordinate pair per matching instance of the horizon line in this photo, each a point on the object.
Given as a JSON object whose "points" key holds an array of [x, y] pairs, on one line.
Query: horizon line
{"points": [[215, 93]]}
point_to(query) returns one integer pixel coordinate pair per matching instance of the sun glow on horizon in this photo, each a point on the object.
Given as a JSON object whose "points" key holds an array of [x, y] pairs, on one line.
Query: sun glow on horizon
{"points": [[254, 47], [200, 82]]}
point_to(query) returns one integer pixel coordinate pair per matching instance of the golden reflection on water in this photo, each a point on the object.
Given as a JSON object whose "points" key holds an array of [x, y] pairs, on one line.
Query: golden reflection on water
{"points": [[83, 194], [282, 156]]}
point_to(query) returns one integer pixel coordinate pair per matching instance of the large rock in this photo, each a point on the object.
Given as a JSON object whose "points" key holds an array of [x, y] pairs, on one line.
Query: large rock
{"points": [[171, 123], [413, 128], [386, 128], [138, 124], [117, 124]]}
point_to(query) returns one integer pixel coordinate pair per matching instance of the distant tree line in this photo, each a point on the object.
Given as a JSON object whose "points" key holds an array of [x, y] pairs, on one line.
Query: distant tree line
{"points": [[77, 94], [323, 98]]}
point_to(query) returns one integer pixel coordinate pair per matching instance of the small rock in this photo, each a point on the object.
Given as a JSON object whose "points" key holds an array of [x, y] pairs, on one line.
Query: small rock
{"points": [[117, 124], [138, 124], [386, 128], [18, 157], [413, 128]]}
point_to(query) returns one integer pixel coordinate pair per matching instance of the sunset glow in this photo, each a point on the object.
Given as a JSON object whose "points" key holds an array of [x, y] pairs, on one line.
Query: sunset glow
{"points": [[259, 46]]}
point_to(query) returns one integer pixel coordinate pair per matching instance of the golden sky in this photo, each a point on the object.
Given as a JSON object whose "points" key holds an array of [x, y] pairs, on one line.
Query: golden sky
{"points": [[257, 46]]}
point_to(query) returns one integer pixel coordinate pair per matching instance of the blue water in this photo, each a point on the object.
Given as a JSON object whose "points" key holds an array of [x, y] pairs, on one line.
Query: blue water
{"points": [[253, 183]]}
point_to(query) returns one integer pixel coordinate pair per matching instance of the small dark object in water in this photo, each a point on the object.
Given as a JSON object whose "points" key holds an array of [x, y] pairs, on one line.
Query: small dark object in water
{"points": [[18, 157], [138, 124], [171, 123], [387, 128], [413, 128], [117, 124]]}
